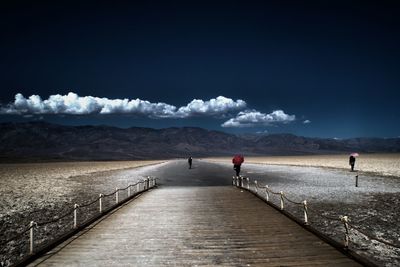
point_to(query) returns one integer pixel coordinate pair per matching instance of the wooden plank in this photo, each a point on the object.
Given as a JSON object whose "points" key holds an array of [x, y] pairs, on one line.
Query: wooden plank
{"points": [[204, 226]]}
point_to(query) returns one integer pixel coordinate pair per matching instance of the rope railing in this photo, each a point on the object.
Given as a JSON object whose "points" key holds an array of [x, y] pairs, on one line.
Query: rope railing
{"points": [[239, 182], [133, 189]]}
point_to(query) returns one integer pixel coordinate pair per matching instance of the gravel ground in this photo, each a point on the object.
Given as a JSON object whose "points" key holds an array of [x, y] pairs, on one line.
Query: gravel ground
{"points": [[374, 206], [43, 192]]}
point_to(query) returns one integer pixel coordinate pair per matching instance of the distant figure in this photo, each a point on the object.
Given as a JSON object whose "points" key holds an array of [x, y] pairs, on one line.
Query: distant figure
{"points": [[352, 161], [237, 161], [190, 162]]}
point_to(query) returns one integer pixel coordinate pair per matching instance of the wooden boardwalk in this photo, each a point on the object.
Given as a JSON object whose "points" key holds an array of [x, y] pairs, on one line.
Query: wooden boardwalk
{"points": [[196, 226]]}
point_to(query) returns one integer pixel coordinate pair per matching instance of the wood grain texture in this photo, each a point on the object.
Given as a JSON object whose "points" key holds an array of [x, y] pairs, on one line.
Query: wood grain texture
{"points": [[196, 226]]}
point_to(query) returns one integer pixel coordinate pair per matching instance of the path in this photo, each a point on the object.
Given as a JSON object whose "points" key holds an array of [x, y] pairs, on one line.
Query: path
{"points": [[214, 224]]}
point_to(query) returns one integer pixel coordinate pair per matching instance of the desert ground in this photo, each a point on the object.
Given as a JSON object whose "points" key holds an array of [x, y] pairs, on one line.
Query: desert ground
{"points": [[45, 191], [380, 164]]}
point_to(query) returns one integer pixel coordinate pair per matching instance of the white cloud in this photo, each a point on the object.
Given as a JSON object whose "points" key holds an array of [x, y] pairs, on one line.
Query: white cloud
{"points": [[214, 106], [73, 104], [306, 121], [250, 118]]}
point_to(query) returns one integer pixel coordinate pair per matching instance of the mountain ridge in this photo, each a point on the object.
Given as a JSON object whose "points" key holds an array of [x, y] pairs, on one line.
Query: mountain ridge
{"points": [[35, 141]]}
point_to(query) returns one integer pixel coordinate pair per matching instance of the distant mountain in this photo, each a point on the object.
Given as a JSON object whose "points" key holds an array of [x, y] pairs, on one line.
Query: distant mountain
{"points": [[44, 141]]}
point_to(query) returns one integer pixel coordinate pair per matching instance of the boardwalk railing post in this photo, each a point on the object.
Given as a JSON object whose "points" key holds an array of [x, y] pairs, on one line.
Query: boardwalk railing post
{"points": [[129, 190], [357, 180], [282, 206], [101, 203], [305, 212], [255, 186], [248, 183], [75, 215], [267, 192], [31, 227], [147, 182], [345, 221], [116, 195]]}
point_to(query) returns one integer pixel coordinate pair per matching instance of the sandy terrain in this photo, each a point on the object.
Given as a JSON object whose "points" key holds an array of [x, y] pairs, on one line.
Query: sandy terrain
{"points": [[43, 191], [381, 164]]}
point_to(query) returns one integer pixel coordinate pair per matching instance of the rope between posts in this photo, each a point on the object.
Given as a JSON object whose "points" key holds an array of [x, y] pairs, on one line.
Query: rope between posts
{"points": [[90, 203], [80, 206], [291, 201], [18, 235], [338, 219], [269, 190], [56, 219], [108, 195], [374, 237]]}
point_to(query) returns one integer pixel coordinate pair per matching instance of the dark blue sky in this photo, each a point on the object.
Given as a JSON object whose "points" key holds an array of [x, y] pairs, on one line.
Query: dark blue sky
{"points": [[333, 63]]}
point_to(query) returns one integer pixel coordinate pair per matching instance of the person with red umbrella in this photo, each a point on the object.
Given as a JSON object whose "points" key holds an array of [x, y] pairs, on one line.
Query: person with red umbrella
{"points": [[237, 162], [352, 160]]}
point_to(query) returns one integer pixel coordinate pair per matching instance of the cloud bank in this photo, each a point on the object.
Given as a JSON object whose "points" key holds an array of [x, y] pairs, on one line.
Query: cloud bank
{"points": [[251, 118], [72, 104]]}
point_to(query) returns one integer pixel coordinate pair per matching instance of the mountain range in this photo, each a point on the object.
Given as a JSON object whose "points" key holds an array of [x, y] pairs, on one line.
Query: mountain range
{"points": [[36, 141]]}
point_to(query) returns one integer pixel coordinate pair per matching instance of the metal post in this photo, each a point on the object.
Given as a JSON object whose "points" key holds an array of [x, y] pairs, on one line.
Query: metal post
{"points": [[345, 221], [155, 181], [148, 182], [101, 203], [356, 180], [267, 192], [129, 190], [76, 215], [31, 226], [255, 186], [305, 212], [116, 195], [281, 200], [233, 180], [248, 183]]}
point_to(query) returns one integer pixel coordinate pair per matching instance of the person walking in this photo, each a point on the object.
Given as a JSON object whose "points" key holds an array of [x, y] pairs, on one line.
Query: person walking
{"points": [[352, 161], [190, 162], [237, 162]]}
